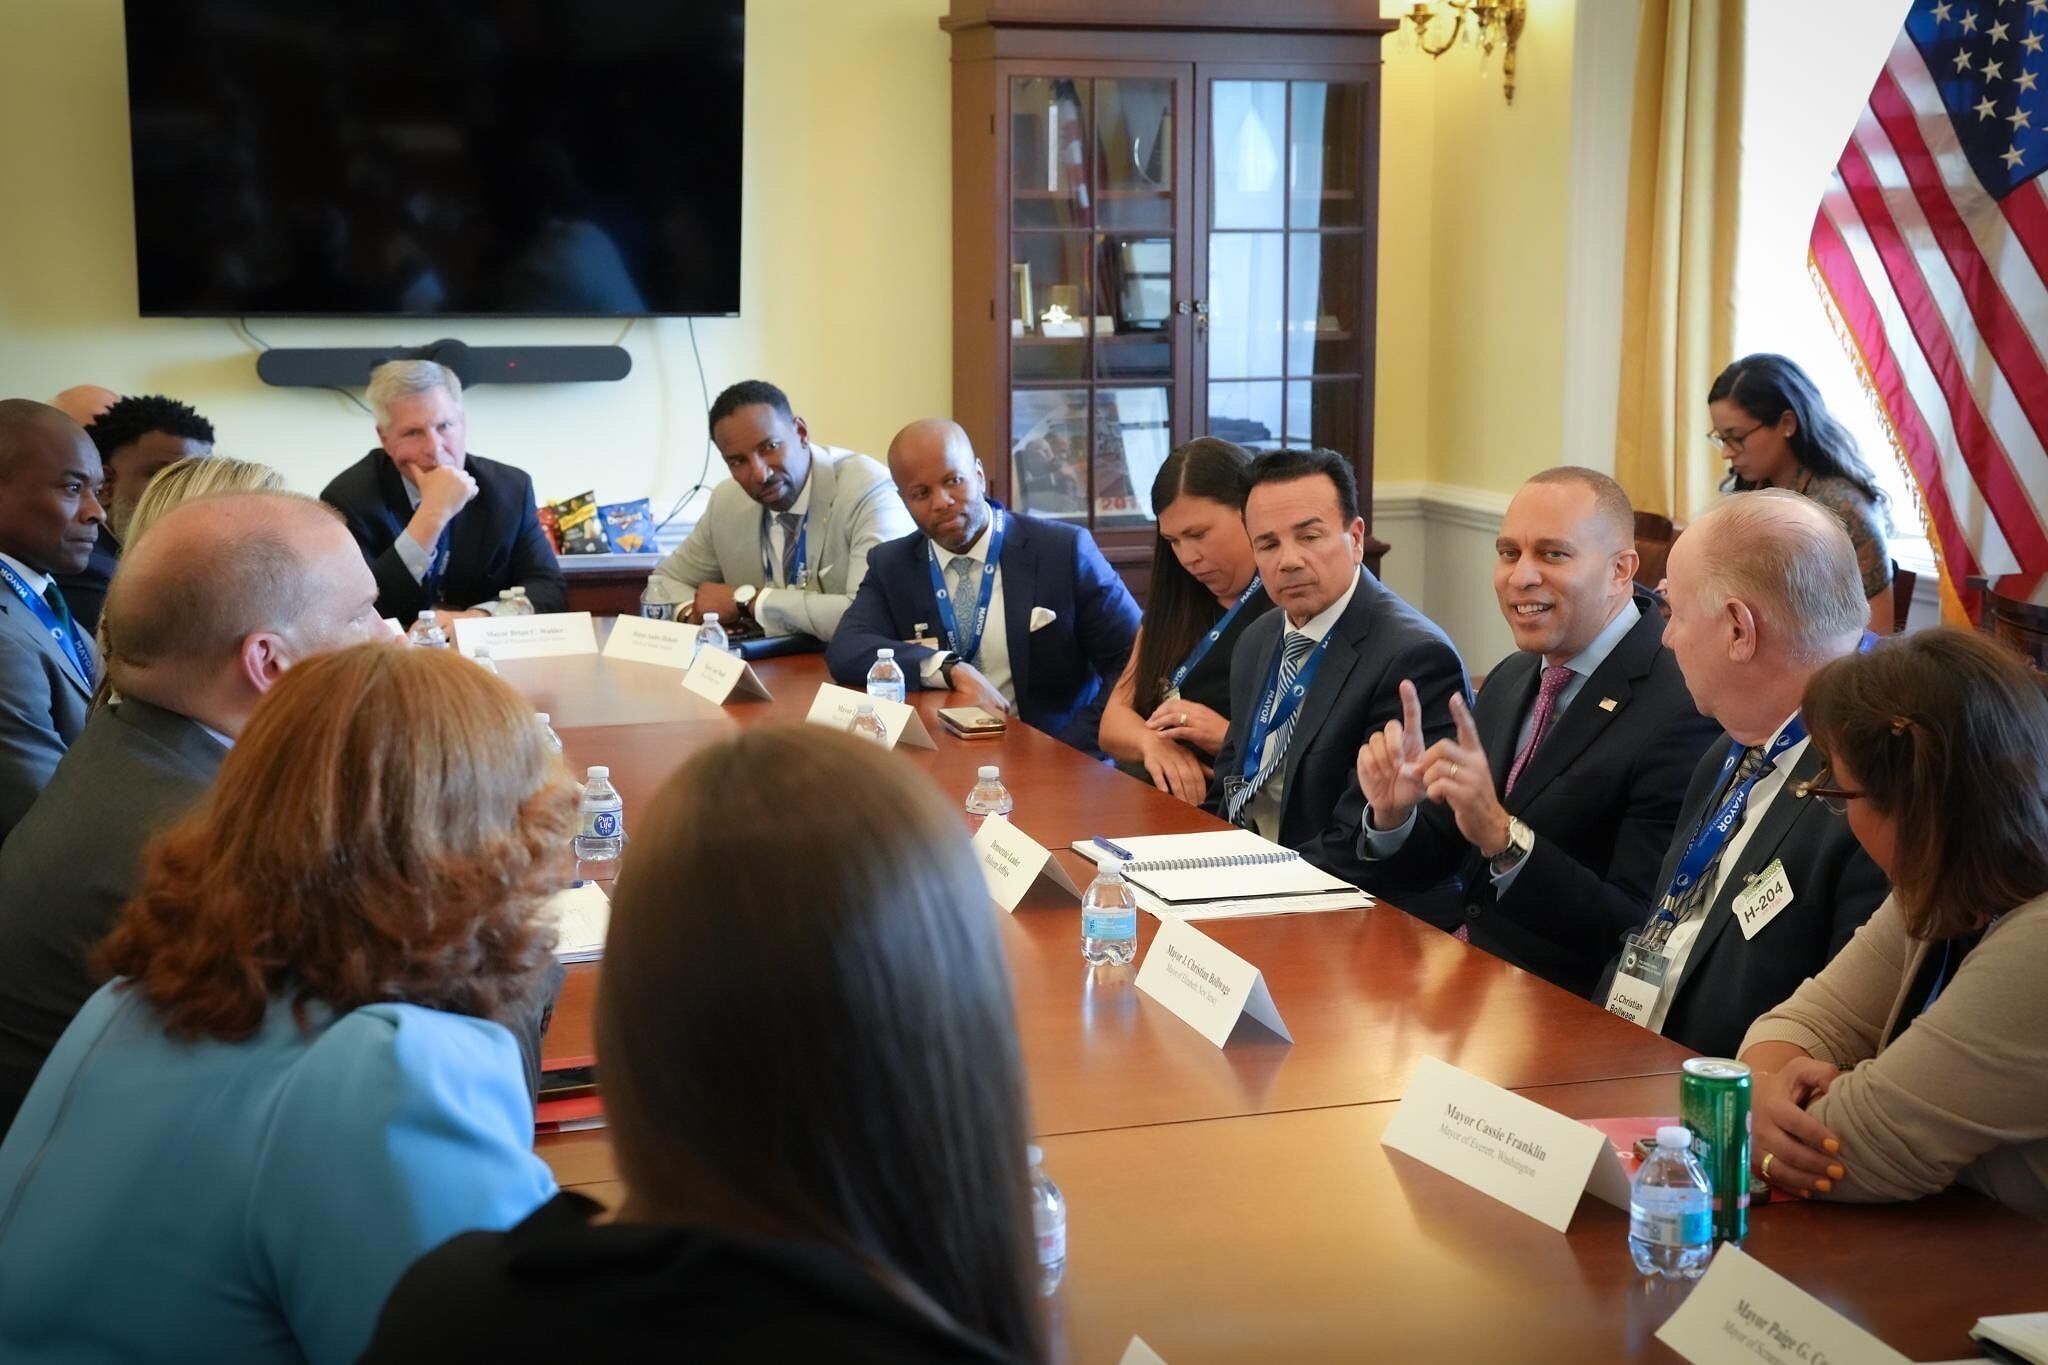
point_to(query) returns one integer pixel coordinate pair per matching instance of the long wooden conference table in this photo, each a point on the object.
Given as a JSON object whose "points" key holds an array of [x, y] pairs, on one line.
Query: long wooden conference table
{"points": [[1235, 1204]]}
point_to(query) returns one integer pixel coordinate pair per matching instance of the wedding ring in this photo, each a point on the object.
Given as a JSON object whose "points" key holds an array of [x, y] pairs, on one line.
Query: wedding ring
{"points": [[1453, 770], [1765, 1169], [1183, 718]]}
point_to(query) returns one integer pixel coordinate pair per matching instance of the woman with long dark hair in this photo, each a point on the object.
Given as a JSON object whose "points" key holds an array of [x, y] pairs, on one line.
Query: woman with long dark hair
{"points": [[1167, 715], [1776, 432], [1917, 1058], [814, 1087]]}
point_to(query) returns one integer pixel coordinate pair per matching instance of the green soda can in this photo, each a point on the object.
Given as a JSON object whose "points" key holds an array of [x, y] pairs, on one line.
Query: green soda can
{"points": [[1713, 1101]]}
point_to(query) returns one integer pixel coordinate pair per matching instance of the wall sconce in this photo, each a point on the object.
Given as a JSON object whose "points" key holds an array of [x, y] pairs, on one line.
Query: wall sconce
{"points": [[1485, 24]]}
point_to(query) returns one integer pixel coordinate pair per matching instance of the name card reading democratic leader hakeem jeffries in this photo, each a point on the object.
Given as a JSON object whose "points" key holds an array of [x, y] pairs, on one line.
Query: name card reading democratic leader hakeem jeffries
{"points": [[1532, 1159], [1012, 860], [1205, 984], [835, 706], [716, 676], [553, 636], [1744, 1313], [665, 644]]}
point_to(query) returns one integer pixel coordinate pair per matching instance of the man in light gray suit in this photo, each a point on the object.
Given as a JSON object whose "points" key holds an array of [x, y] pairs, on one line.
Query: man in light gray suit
{"points": [[785, 541], [206, 614], [50, 518]]}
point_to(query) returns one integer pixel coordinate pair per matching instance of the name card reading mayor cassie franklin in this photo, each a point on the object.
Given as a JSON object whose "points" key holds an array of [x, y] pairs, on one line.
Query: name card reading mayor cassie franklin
{"points": [[553, 636], [1744, 1313], [1532, 1159], [1205, 984], [1012, 860]]}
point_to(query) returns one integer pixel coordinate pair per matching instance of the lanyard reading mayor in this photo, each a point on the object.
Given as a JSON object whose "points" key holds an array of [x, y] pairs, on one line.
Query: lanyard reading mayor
{"points": [[1276, 709], [967, 644], [1208, 642], [799, 572], [1714, 835], [67, 638]]}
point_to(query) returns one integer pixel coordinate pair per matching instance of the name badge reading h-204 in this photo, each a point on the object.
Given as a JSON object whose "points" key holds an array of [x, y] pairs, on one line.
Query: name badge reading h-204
{"points": [[1763, 900]]}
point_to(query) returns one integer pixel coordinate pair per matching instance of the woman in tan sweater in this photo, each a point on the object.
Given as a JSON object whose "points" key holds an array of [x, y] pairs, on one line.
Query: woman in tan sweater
{"points": [[1918, 1058]]}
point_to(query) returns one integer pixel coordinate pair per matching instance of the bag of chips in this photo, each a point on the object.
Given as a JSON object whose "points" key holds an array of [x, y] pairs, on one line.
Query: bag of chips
{"points": [[582, 527], [629, 526], [549, 526]]}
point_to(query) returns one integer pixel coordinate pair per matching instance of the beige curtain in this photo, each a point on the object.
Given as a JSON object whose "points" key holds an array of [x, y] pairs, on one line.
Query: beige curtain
{"points": [[1678, 295]]}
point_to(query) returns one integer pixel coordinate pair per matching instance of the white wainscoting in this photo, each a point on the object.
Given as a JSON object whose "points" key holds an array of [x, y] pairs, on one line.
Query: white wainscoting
{"points": [[1442, 562]]}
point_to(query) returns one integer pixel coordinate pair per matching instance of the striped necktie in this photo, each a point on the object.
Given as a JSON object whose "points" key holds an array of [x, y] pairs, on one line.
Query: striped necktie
{"points": [[1694, 898], [1296, 650], [790, 522]]}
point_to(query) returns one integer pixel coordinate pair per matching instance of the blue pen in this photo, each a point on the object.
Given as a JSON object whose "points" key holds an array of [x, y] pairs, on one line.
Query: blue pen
{"points": [[1122, 853]]}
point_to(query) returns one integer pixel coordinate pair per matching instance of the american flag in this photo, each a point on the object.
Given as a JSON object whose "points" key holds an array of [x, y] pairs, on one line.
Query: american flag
{"points": [[1932, 246]]}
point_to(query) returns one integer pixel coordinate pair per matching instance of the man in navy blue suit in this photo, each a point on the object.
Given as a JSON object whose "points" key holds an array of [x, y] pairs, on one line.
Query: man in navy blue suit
{"points": [[1008, 613], [440, 527]]}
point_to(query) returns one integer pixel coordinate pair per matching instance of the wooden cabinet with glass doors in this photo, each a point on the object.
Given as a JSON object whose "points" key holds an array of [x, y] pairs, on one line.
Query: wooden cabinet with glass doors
{"points": [[1165, 226]]}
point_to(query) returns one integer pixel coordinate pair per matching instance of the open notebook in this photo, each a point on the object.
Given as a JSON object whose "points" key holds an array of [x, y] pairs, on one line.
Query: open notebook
{"points": [[582, 915], [2024, 1336], [1188, 871]]}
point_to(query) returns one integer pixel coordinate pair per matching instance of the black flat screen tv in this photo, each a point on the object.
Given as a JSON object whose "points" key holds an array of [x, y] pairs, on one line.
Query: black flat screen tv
{"points": [[422, 158]]}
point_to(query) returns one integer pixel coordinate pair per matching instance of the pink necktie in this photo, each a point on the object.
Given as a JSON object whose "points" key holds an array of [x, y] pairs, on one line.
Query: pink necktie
{"points": [[1555, 678]]}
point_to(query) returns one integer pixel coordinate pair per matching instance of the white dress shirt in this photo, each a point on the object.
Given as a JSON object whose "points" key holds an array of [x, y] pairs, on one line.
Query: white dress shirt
{"points": [[1686, 932], [1266, 803], [38, 583], [778, 542], [992, 659]]}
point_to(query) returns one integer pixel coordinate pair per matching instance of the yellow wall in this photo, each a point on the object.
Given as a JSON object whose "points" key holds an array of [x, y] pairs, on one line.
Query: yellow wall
{"points": [[846, 274], [1497, 290]]}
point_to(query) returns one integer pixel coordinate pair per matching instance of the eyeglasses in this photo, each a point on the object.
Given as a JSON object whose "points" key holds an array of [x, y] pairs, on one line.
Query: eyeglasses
{"points": [[1734, 442], [1836, 799]]}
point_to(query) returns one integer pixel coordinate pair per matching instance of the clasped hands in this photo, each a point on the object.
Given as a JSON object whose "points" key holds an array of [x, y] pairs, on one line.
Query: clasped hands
{"points": [[1397, 774], [1176, 727], [1791, 1148]]}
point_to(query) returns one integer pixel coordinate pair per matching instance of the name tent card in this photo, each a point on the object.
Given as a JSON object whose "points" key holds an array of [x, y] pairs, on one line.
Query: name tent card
{"points": [[1532, 1159], [1205, 984], [668, 644], [1012, 860], [553, 636], [835, 707], [717, 675], [1742, 1311], [1140, 1353]]}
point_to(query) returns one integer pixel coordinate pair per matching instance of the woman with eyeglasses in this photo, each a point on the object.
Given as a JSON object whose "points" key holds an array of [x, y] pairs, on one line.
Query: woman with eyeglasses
{"points": [[1775, 431], [1918, 1058], [1166, 717]]}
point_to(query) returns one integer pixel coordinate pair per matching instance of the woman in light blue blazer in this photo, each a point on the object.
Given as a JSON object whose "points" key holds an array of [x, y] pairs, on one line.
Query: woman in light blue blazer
{"points": [[298, 1080]]}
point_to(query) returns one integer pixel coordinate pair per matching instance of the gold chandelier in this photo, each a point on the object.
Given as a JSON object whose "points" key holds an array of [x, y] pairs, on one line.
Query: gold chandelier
{"points": [[1484, 24]]}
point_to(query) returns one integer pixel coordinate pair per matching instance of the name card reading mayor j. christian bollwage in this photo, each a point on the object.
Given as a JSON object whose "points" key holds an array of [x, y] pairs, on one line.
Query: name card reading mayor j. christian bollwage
{"points": [[1204, 983]]}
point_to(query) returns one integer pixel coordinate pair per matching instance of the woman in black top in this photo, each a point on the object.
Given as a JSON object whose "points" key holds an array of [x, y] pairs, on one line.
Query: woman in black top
{"points": [[811, 1074], [1167, 715]]}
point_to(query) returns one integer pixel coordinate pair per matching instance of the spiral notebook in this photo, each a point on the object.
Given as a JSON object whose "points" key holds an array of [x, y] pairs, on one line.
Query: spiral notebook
{"points": [[1224, 865]]}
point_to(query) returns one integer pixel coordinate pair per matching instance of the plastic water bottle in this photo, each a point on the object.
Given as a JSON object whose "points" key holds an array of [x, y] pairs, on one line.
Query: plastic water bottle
{"points": [[1670, 1210], [522, 605], [656, 603], [885, 679], [547, 729], [601, 836], [710, 635], [989, 797], [867, 725], [426, 631], [1049, 1222], [481, 657], [1109, 917]]}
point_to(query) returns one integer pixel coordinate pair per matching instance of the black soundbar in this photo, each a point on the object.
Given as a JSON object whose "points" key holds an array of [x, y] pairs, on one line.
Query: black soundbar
{"points": [[348, 367]]}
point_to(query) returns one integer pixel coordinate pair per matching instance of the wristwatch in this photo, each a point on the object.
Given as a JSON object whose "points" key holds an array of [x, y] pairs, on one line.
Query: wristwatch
{"points": [[1520, 840], [743, 599], [946, 665]]}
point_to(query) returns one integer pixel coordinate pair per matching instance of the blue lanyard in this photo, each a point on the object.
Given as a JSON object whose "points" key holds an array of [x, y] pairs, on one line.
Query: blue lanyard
{"points": [[1275, 710], [438, 566], [61, 631], [1714, 835], [1208, 642], [798, 574], [967, 644]]}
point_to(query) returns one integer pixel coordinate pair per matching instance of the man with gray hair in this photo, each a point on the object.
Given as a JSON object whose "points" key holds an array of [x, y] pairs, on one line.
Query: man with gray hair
{"points": [[224, 595], [441, 528], [1764, 882]]}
